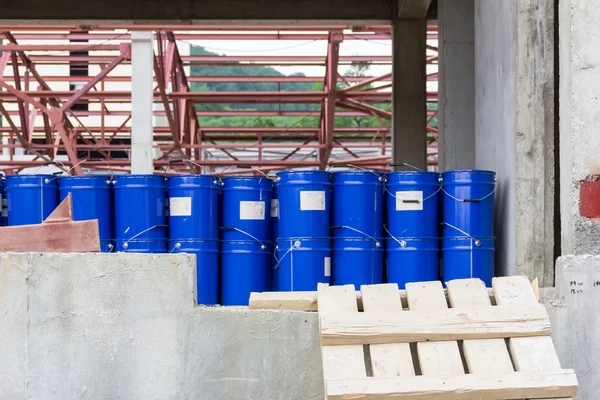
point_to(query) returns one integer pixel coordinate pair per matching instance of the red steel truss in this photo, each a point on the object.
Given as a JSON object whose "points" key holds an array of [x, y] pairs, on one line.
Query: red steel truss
{"points": [[42, 121]]}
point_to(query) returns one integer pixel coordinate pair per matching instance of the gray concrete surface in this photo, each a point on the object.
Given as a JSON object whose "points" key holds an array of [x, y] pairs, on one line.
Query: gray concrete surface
{"points": [[456, 116], [514, 129], [409, 92], [579, 104], [125, 326], [108, 326]]}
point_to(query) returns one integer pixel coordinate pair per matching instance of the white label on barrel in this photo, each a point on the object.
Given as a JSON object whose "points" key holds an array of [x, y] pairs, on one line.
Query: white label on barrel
{"points": [[327, 266], [180, 206], [409, 201], [253, 210], [4, 207], [312, 200], [274, 208]]}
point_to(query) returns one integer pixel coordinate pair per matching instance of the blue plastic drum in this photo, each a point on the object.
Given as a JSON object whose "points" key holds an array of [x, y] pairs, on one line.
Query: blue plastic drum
{"points": [[304, 198], [357, 204], [193, 207], [246, 204], [140, 222], [468, 203], [412, 260], [412, 204], [274, 280], [207, 267], [303, 264], [357, 262], [3, 203], [464, 257], [244, 269], [92, 199], [30, 198]]}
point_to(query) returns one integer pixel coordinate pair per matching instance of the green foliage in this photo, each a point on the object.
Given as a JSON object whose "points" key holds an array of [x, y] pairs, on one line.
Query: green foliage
{"points": [[312, 117]]}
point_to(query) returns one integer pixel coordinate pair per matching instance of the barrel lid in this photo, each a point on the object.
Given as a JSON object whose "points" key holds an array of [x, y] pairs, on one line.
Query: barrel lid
{"points": [[469, 171]]}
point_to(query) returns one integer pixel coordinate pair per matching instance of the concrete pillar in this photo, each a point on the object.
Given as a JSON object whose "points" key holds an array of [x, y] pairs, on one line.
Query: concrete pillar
{"points": [[579, 138], [514, 129], [456, 104], [409, 92], [142, 65]]}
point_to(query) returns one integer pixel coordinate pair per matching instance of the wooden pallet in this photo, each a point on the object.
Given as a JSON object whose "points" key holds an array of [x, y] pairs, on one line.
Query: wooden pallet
{"points": [[459, 347]]}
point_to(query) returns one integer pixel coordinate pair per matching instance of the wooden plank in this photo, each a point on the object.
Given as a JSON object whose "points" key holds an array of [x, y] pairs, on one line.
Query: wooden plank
{"points": [[441, 358], [299, 301], [392, 359], [427, 326], [513, 385], [528, 354], [340, 361], [78, 236], [307, 301], [483, 356]]}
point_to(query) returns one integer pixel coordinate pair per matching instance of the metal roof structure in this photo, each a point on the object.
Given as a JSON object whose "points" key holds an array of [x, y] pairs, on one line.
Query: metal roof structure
{"points": [[65, 96]]}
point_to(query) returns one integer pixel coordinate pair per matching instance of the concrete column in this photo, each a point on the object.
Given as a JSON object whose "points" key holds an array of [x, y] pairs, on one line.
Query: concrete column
{"points": [[456, 104], [142, 65], [514, 128], [409, 92], [579, 138]]}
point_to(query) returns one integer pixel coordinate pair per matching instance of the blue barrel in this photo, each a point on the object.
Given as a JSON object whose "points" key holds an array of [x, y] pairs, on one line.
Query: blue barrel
{"points": [[412, 260], [303, 264], [468, 203], [357, 204], [30, 198], [357, 261], [207, 267], [92, 199], [244, 269], [274, 280], [303, 204], [412, 204], [246, 203], [193, 207], [3, 203], [465, 257], [140, 223]]}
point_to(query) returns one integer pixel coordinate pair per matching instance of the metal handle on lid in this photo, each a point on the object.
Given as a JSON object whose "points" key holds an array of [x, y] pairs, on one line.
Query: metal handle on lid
{"points": [[379, 177], [377, 242], [403, 164], [232, 228]]}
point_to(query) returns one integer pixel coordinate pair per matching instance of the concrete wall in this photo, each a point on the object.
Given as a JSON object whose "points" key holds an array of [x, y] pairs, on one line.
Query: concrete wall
{"points": [[514, 129], [579, 104], [456, 136], [108, 326], [495, 98]]}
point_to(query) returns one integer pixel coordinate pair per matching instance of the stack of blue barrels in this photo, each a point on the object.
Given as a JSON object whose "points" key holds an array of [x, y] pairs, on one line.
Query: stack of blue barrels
{"points": [[194, 228], [3, 203], [303, 248], [274, 214], [412, 226], [468, 225], [30, 198], [357, 230], [92, 199], [245, 238], [140, 220]]}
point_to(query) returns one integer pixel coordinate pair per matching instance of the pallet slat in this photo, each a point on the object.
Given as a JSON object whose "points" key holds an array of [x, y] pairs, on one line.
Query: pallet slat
{"points": [[481, 355], [515, 385], [392, 359], [441, 325], [306, 301], [531, 353], [340, 361], [441, 358]]}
